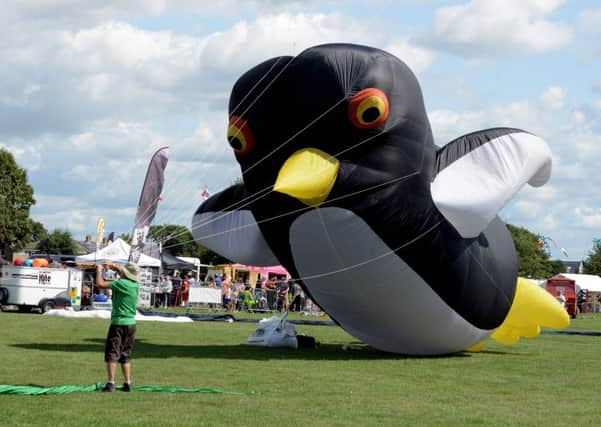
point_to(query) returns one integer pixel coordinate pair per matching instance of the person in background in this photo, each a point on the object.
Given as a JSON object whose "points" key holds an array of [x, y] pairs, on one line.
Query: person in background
{"points": [[282, 292], [297, 295], [120, 338], [270, 288], [225, 298], [247, 301], [177, 287], [191, 280], [183, 293], [166, 288], [155, 293], [561, 298], [211, 282]]}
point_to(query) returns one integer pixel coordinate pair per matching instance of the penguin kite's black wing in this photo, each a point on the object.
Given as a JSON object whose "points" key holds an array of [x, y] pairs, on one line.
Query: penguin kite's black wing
{"points": [[478, 173], [225, 224]]}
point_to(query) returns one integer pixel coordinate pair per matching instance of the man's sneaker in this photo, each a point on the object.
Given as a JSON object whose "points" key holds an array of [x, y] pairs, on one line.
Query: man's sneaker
{"points": [[108, 387], [126, 387]]}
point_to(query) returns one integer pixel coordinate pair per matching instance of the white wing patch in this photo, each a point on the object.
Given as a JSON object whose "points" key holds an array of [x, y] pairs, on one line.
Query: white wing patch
{"points": [[473, 189], [234, 235]]}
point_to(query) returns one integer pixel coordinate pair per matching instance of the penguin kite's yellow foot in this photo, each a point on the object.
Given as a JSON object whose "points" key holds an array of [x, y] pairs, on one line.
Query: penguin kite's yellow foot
{"points": [[532, 308], [476, 348]]}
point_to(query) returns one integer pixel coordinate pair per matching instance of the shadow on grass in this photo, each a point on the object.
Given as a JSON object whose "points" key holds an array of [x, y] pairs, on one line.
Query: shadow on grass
{"points": [[144, 349]]}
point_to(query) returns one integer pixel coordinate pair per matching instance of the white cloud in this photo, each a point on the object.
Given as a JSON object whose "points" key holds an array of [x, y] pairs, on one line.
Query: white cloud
{"points": [[553, 98], [418, 59], [448, 125], [549, 223], [528, 208], [28, 157], [59, 80], [492, 28], [589, 217]]}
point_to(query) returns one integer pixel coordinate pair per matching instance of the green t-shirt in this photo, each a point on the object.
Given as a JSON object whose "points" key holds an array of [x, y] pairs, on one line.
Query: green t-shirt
{"points": [[125, 300]]}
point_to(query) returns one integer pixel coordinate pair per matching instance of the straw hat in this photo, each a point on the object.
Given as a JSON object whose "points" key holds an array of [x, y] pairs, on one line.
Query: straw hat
{"points": [[130, 271]]}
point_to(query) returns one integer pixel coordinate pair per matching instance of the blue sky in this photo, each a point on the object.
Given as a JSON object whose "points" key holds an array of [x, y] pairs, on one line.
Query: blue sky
{"points": [[89, 91]]}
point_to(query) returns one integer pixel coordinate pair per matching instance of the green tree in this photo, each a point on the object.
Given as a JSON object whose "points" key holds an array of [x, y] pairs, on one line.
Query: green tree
{"points": [[58, 242], [592, 264], [16, 198], [557, 267], [38, 231], [533, 261], [178, 240], [125, 237]]}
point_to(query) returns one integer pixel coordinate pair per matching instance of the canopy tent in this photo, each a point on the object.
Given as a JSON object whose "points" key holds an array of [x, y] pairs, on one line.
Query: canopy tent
{"points": [[117, 252], [585, 281], [171, 262], [192, 260]]}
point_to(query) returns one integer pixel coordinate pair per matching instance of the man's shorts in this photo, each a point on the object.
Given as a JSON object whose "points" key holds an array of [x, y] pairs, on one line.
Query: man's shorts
{"points": [[119, 343]]}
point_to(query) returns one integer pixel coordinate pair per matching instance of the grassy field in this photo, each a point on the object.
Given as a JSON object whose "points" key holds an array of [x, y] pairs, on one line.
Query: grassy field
{"points": [[550, 380]]}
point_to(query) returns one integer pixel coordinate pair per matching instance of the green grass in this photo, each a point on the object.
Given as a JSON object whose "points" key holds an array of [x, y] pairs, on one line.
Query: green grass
{"points": [[550, 380]]}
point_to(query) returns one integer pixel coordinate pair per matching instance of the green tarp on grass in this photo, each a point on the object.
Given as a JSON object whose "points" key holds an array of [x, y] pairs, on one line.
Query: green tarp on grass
{"points": [[32, 390]]}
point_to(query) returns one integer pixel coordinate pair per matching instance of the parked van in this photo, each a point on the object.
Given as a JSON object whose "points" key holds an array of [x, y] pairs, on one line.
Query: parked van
{"points": [[43, 288]]}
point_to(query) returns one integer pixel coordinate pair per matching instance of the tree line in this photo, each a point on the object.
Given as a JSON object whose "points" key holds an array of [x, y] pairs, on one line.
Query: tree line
{"points": [[17, 230]]}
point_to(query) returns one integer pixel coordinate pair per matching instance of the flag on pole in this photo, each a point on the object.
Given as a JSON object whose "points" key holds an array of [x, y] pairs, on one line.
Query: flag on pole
{"points": [[149, 199], [99, 232], [205, 193]]}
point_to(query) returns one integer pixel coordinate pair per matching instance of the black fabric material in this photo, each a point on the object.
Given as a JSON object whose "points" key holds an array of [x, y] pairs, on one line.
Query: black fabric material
{"points": [[580, 333], [476, 277], [171, 262], [464, 144], [231, 318]]}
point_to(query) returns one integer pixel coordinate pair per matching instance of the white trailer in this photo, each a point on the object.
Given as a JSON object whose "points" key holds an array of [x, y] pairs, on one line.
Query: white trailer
{"points": [[43, 288]]}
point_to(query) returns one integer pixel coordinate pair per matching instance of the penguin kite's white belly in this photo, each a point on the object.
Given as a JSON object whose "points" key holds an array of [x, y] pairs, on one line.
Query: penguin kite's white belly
{"points": [[370, 291]]}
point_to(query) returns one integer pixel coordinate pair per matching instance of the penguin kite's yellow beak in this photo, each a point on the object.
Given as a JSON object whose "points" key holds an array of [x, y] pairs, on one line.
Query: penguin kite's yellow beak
{"points": [[308, 175]]}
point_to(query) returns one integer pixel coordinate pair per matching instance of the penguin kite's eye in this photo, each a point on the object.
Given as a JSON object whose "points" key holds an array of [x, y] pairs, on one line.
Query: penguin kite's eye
{"points": [[239, 136], [368, 108]]}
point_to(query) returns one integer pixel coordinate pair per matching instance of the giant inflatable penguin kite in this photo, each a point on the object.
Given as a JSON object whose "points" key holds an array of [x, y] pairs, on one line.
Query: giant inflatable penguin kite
{"points": [[396, 239]]}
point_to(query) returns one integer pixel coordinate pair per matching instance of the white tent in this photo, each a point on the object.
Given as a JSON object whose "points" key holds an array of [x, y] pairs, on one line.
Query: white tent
{"points": [[585, 281], [117, 252]]}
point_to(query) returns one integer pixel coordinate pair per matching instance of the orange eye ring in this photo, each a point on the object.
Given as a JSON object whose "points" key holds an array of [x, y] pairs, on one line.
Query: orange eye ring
{"points": [[239, 136], [369, 108]]}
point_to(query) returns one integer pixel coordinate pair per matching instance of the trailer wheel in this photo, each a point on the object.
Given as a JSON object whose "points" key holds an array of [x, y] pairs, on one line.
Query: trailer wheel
{"points": [[3, 296], [24, 308], [46, 305]]}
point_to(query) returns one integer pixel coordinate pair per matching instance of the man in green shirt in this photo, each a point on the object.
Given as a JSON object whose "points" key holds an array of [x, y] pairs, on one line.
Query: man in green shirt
{"points": [[120, 338]]}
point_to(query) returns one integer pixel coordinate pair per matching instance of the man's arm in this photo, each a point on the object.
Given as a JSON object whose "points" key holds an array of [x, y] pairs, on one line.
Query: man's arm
{"points": [[100, 282]]}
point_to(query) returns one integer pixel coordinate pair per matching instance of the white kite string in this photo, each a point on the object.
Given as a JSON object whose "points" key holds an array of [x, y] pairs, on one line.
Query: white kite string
{"points": [[229, 212], [173, 184], [311, 123], [305, 208], [385, 254]]}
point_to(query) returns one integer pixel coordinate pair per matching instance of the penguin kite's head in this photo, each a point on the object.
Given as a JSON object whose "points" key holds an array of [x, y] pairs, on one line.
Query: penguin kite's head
{"points": [[336, 119]]}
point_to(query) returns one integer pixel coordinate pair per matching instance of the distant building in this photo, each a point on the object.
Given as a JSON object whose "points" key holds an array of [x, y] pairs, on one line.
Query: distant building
{"points": [[573, 267]]}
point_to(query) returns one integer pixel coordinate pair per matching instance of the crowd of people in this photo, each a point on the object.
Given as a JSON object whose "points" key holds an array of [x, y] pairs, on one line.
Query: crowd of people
{"points": [[172, 290], [275, 293]]}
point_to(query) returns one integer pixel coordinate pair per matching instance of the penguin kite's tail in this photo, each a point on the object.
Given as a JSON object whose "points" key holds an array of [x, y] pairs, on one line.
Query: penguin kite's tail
{"points": [[532, 308]]}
